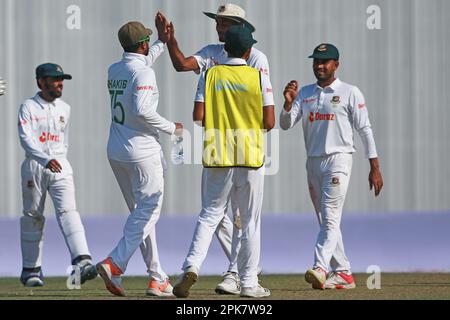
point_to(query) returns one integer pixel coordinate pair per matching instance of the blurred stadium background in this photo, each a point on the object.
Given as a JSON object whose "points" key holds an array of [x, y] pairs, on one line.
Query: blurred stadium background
{"points": [[401, 68]]}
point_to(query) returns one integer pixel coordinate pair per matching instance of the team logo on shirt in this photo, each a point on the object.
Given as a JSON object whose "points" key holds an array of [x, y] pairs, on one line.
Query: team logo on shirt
{"points": [[62, 121], [335, 181], [30, 184], [335, 100]]}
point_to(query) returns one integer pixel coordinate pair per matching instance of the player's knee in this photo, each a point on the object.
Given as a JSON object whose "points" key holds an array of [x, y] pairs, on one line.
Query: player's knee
{"points": [[33, 214], [31, 227]]}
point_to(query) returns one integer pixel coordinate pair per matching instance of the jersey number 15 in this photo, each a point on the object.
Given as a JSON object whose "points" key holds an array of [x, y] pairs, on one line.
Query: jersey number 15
{"points": [[117, 104]]}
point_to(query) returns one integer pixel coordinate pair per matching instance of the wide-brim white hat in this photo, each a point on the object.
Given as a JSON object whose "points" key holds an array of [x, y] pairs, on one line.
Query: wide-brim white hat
{"points": [[232, 12]]}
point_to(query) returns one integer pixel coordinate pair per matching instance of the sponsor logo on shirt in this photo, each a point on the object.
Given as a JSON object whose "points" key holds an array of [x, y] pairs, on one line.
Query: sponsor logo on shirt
{"points": [[309, 100], [33, 118], [47, 136], [361, 105], [145, 88], [37, 119], [321, 116], [228, 85], [269, 90], [264, 71]]}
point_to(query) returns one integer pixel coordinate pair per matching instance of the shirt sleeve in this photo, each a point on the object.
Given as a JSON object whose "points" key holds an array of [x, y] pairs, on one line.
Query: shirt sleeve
{"points": [[202, 58], [267, 91], [200, 94], [361, 123], [290, 119], [145, 102], [27, 140], [262, 64], [156, 49], [66, 129]]}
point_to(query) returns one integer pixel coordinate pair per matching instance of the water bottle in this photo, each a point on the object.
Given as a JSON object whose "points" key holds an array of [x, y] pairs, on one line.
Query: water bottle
{"points": [[177, 150]]}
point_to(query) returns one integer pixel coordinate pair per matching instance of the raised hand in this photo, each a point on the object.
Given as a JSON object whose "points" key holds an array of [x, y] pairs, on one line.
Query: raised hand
{"points": [[162, 24], [290, 91]]}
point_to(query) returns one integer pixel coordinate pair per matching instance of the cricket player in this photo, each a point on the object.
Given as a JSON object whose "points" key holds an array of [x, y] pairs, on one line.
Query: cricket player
{"points": [[227, 15], [330, 110], [2, 86], [136, 158], [43, 133], [234, 103]]}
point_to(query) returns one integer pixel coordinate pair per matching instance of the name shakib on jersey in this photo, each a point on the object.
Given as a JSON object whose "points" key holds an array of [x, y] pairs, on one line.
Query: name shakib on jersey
{"points": [[117, 84], [321, 116]]}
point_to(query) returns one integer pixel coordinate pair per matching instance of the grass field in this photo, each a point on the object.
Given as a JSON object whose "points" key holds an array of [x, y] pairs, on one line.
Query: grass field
{"points": [[291, 287]]}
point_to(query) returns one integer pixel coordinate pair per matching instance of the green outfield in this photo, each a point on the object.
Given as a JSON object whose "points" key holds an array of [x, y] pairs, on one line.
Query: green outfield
{"points": [[292, 287]]}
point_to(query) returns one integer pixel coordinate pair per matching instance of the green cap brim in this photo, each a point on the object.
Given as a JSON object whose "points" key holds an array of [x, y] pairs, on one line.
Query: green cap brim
{"points": [[58, 75], [323, 56]]}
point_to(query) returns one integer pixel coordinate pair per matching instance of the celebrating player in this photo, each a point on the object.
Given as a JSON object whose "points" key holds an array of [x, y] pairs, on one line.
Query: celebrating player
{"points": [[232, 100], [43, 133], [227, 15], [330, 109], [136, 159]]}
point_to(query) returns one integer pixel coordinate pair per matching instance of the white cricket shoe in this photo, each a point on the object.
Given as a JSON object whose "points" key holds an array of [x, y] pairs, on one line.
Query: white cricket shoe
{"points": [[255, 292], [316, 277], [32, 278], [230, 284], [158, 288], [340, 280], [112, 276], [185, 281]]}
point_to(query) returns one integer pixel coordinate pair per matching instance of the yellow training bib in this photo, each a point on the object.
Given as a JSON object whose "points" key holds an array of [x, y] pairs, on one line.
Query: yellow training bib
{"points": [[233, 118]]}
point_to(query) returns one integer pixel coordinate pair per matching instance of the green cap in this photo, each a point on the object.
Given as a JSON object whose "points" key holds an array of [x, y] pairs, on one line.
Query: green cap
{"points": [[132, 33], [51, 70], [239, 38], [325, 51]]}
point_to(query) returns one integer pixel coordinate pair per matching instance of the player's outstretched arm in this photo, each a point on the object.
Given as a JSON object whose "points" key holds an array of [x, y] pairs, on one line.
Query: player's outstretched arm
{"points": [[375, 178], [179, 61]]}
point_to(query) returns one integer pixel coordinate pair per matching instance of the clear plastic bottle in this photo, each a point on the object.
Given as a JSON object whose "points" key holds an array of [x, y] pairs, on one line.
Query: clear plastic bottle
{"points": [[177, 154]]}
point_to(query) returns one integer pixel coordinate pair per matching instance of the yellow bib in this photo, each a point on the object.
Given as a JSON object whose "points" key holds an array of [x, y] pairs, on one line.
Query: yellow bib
{"points": [[233, 118]]}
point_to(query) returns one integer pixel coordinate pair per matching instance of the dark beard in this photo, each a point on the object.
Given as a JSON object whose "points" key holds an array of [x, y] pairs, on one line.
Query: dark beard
{"points": [[52, 93]]}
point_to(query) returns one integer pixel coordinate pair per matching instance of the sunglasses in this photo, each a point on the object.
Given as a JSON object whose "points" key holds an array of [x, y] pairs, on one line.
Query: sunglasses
{"points": [[146, 39]]}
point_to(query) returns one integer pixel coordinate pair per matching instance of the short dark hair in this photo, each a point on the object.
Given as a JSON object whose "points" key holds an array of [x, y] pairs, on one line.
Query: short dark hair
{"points": [[234, 52], [132, 49]]}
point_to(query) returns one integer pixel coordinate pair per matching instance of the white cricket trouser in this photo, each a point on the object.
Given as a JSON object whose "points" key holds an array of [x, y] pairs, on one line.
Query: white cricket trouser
{"points": [[36, 181], [328, 179], [247, 186], [142, 185], [229, 235]]}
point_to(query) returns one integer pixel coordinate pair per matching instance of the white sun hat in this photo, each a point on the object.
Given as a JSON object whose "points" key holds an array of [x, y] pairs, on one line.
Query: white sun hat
{"points": [[232, 12]]}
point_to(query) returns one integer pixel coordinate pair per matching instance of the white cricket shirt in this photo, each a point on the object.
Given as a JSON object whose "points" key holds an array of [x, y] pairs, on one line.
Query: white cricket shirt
{"points": [[329, 116], [135, 124], [266, 86], [215, 54], [44, 129]]}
